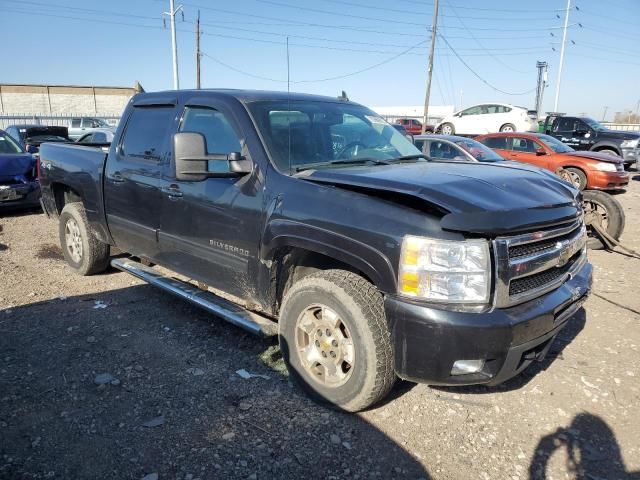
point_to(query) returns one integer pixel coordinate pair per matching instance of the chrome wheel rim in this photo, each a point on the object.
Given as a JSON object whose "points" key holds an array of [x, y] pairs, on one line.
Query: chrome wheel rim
{"points": [[324, 346], [575, 179], [507, 129], [446, 130], [73, 240]]}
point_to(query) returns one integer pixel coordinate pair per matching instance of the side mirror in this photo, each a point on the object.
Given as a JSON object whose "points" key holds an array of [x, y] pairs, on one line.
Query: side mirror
{"points": [[192, 161], [540, 152]]}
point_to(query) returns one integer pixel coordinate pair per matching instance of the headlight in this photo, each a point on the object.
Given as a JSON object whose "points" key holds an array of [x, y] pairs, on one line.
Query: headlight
{"points": [[445, 271], [630, 143], [606, 167]]}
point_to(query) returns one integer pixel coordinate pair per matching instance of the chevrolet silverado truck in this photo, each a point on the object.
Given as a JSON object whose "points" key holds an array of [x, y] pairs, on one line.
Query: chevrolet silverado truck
{"points": [[313, 219], [584, 133]]}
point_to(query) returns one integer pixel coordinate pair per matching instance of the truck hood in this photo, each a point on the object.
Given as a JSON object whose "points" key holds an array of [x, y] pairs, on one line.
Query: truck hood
{"points": [[619, 134], [15, 165], [486, 199], [601, 157]]}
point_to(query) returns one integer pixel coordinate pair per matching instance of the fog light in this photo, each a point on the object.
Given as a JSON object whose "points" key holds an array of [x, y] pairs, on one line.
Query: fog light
{"points": [[464, 367]]}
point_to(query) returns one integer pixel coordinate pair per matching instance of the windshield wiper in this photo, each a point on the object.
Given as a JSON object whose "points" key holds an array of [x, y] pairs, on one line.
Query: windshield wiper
{"points": [[342, 161], [410, 157]]}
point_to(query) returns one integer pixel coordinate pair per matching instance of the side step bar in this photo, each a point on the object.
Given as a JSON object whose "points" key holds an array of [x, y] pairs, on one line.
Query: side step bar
{"points": [[212, 303]]}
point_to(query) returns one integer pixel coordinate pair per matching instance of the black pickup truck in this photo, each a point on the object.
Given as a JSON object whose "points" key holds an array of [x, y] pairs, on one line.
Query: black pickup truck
{"points": [[584, 133], [313, 219]]}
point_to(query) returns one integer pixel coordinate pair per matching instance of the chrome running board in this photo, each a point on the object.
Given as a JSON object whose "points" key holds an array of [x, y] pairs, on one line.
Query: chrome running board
{"points": [[220, 307]]}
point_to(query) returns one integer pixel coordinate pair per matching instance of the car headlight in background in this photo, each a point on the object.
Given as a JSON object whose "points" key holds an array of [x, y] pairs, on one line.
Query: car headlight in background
{"points": [[606, 167], [445, 271], [630, 143]]}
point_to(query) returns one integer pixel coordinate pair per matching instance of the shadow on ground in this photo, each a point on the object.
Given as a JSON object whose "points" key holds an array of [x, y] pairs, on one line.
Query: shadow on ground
{"points": [[589, 449], [172, 403]]}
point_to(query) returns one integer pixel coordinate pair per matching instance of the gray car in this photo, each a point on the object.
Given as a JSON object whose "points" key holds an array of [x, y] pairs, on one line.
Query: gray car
{"points": [[97, 135], [451, 148], [79, 126]]}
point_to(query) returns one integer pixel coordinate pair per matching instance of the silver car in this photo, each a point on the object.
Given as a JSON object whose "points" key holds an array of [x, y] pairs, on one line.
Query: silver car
{"points": [[81, 125]]}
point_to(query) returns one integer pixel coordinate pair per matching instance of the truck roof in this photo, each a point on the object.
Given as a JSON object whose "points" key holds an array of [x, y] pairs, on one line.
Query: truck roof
{"points": [[244, 96]]}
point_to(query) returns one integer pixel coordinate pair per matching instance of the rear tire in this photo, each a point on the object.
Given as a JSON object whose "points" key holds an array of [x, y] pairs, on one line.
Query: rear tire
{"points": [[508, 127], [335, 340], [578, 177], [82, 250], [447, 129], [611, 215]]}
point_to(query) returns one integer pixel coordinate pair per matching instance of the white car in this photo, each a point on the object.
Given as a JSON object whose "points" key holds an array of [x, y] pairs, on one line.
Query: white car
{"points": [[488, 118]]}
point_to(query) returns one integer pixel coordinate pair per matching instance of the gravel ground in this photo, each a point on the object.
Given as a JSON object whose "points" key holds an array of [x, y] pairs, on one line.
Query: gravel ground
{"points": [[106, 377]]}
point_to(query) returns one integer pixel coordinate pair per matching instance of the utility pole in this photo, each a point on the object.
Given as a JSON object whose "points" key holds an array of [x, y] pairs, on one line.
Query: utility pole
{"points": [[434, 33], [564, 43], [198, 54], [604, 114], [174, 44], [542, 82]]}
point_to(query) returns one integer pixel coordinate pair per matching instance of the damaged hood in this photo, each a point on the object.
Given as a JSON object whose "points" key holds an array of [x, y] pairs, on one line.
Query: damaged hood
{"points": [[16, 165], [488, 199], [601, 157]]}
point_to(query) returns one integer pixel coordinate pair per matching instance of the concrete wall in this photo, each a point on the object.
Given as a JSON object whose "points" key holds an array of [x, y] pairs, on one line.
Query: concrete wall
{"points": [[59, 99]]}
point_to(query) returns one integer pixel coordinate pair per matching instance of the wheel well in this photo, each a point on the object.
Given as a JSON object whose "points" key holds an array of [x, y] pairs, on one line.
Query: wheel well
{"points": [[64, 194], [293, 264], [607, 147]]}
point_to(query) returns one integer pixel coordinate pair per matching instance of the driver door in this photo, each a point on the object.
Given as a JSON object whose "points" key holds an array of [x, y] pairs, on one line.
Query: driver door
{"points": [[210, 229]]}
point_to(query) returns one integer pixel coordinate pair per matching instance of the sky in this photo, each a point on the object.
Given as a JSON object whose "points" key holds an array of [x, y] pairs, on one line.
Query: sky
{"points": [[375, 50]]}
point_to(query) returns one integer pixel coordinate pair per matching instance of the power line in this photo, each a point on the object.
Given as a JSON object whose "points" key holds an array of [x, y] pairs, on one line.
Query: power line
{"points": [[319, 80], [479, 77]]}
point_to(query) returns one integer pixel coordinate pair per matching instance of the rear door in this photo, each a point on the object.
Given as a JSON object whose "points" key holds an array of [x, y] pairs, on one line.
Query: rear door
{"points": [[133, 179], [75, 128], [210, 229]]}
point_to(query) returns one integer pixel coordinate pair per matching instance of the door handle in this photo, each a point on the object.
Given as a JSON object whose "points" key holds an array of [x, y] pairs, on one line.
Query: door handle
{"points": [[117, 177], [173, 191]]}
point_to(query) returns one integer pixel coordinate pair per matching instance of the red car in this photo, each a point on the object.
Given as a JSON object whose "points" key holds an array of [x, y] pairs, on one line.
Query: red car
{"points": [[413, 126], [588, 170]]}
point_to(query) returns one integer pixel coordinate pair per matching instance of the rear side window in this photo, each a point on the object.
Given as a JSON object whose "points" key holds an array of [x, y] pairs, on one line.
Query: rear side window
{"points": [[496, 142], [75, 123], [147, 131]]}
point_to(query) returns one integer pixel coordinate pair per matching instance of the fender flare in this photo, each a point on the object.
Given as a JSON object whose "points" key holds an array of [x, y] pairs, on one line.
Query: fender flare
{"points": [[364, 258]]}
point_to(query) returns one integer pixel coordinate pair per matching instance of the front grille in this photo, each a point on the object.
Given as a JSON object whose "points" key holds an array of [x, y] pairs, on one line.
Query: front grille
{"points": [[539, 280], [527, 265]]}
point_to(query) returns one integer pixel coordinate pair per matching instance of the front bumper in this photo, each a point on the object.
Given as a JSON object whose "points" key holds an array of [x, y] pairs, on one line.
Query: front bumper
{"points": [[427, 340], [607, 180], [20, 195], [630, 155]]}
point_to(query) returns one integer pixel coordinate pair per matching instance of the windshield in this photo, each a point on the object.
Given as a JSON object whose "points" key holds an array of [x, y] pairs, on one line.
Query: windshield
{"points": [[593, 123], [477, 150], [8, 145], [300, 133], [555, 144]]}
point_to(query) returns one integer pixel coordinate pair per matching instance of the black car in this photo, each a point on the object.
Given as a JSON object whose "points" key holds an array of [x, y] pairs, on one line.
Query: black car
{"points": [[19, 185], [584, 133], [31, 137]]}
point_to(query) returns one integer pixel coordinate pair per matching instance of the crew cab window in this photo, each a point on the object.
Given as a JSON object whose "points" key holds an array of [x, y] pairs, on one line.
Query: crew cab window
{"points": [[147, 131], [496, 142], [564, 125], [218, 132], [86, 139], [99, 137], [75, 123], [523, 145], [87, 122]]}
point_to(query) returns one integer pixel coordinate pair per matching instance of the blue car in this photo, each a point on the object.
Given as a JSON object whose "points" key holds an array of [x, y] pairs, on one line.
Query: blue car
{"points": [[19, 186]]}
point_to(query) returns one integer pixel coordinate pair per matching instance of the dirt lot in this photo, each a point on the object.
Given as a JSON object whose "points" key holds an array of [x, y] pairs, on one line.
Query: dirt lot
{"points": [[172, 404]]}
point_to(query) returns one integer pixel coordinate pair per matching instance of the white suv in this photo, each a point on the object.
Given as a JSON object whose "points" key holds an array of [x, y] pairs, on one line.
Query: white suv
{"points": [[488, 118]]}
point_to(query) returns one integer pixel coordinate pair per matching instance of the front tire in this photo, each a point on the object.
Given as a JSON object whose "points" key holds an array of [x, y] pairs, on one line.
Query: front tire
{"points": [[335, 340], [577, 177], [82, 250]]}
